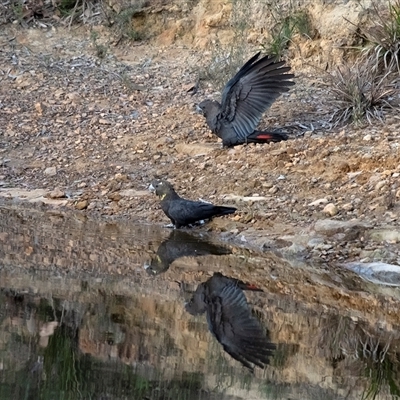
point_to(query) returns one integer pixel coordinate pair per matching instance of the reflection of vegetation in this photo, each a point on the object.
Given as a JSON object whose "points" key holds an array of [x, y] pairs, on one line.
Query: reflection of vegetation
{"points": [[379, 374], [282, 353], [364, 354], [60, 365], [68, 373]]}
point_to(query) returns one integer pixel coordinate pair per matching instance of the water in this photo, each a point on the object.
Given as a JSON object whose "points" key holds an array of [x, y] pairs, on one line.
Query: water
{"points": [[91, 309]]}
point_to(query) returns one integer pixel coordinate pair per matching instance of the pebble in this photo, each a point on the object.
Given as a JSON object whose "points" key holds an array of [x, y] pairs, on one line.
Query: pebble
{"points": [[267, 185], [56, 194], [318, 202], [50, 171], [348, 207], [81, 205], [273, 190], [330, 209], [367, 138], [115, 196], [380, 185]]}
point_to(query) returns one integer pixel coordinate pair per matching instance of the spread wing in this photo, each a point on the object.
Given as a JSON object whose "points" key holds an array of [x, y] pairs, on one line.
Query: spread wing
{"points": [[232, 323], [252, 91]]}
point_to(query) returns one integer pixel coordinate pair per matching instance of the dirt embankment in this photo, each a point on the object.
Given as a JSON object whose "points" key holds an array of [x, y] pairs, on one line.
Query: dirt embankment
{"points": [[91, 133]]}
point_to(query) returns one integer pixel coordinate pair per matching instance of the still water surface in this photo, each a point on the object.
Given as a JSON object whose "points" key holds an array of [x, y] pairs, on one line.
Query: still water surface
{"points": [[96, 310]]}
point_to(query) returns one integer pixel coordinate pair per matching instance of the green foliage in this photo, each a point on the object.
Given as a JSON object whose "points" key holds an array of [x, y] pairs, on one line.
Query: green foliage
{"points": [[281, 35]]}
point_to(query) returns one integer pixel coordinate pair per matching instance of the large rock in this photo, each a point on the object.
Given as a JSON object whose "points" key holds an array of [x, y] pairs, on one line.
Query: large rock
{"points": [[346, 230]]}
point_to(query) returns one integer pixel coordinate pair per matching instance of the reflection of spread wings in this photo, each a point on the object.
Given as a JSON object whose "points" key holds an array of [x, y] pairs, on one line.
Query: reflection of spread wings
{"points": [[240, 333]]}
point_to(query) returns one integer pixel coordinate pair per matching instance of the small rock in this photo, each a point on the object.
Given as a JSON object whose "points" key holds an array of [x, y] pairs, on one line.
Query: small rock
{"points": [[50, 171], [92, 206], [380, 185], [115, 196], [56, 194], [273, 190], [330, 209], [367, 138], [347, 207], [121, 177], [377, 272], [80, 205], [318, 202], [267, 185], [353, 175]]}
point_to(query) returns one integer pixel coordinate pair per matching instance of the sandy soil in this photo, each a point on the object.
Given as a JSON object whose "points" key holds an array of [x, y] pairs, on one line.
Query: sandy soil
{"points": [[87, 133]]}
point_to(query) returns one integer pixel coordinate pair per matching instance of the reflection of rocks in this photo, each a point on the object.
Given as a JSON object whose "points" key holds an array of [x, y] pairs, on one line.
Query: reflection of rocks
{"points": [[230, 320], [181, 244], [376, 272], [73, 242]]}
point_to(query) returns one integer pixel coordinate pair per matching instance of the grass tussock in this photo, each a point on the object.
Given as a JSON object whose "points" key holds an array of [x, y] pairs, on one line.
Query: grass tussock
{"points": [[383, 36], [361, 92], [121, 20], [297, 22]]}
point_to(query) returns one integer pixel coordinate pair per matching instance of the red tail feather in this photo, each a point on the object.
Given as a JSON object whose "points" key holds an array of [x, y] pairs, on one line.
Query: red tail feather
{"points": [[265, 136]]}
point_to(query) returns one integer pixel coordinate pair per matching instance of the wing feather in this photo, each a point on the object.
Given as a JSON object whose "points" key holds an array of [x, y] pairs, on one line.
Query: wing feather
{"points": [[252, 91], [240, 333]]}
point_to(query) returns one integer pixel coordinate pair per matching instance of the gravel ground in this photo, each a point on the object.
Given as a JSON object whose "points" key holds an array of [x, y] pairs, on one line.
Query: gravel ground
{"points": [[87, 133]]}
